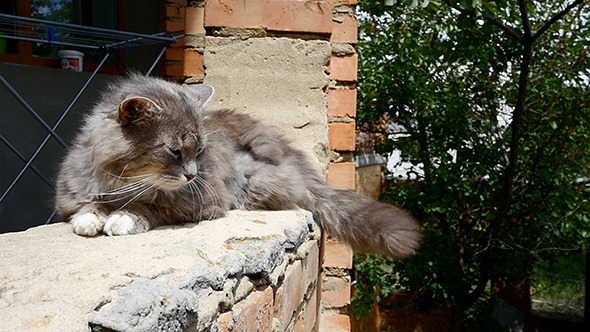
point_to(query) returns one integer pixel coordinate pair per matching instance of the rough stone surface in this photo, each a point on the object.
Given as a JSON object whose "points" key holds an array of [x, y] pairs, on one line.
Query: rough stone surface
{"points": [[280, 81], [168, 279]]}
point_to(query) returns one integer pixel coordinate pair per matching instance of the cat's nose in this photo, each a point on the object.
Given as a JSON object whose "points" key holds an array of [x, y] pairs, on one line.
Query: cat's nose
{"points": [[189, 177]]}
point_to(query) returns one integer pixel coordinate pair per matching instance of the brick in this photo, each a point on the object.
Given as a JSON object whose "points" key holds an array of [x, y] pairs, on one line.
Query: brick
{"points": [[337, 254], [179, 43], [342, 136], [344, 68], [337, 298], [194, 20], [255, 310], [173, 25], [283, 15], [341, 175], [225, 321], [193, 63], [345, 31], [310, 315], [299, 276], [298, 324], [176, 69], [346, 2], [311, 262], [174, 54], [174, 11], [293, 292], [342, 102], [335, 323]]}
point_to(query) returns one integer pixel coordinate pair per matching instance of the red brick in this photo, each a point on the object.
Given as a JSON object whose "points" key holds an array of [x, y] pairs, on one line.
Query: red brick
{"points": [[224, 321], [254, 311], [179, 43], [311, 262], [341, 175], [173, 25], [310, 315], [344, 68], [342, 136], [298, 278], [174, 54], [293, 292], [335, 323], [342, 102], [347, 2], [284, 15], [345, 31], [337, 298], [337, 254], [298, 325], [174, 11], [194, 21], [193, 63], [175, 69]]}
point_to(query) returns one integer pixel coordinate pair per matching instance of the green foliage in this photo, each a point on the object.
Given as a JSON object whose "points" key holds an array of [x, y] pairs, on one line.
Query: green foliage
{"points": [[558, 285], [493, 199]]}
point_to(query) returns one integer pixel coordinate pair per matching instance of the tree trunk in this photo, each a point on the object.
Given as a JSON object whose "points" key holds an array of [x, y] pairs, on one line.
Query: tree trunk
{"points": [[456, 319], [586, 295]]}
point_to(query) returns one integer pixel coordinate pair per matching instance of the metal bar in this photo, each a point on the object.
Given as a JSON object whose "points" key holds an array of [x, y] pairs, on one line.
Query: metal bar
{"points": [[11, 147], [32, 111], [86, 28], [51, 217], [149, 72], [55, 127], [122, 43], [118, 44], [52, 42]]}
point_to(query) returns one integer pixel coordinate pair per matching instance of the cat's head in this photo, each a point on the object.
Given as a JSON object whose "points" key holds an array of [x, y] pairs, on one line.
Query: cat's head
{"points": [[159, 125]]}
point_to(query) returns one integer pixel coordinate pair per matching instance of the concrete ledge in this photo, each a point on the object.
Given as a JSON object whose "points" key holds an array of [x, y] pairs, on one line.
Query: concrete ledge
{"points": [[173, 278]]}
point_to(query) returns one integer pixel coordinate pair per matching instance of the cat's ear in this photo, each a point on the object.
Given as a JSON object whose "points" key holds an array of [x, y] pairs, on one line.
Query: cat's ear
{"points": [[135, 110], [203, 93]]}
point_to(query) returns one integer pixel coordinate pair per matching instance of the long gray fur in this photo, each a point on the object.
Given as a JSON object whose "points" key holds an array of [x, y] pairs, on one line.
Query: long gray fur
{"points": [[149, 154]]}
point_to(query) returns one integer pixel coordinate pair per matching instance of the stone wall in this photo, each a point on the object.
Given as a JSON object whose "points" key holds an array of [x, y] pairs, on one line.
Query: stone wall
{"points": [[249, 271], [292, 64]]}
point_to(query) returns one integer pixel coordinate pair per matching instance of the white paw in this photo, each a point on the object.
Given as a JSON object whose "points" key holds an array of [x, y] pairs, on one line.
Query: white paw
{"points": [[87, 224], [119, 224]]}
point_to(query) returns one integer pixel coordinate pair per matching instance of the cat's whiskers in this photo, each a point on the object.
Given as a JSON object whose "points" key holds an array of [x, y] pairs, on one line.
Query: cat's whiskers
{"points": [[194, 188], [138, 195], [125, 191], [210, 191], [129, 187]]}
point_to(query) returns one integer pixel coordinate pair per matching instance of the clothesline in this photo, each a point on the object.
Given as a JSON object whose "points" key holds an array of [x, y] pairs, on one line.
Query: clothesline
{"points": [[72, 35]]}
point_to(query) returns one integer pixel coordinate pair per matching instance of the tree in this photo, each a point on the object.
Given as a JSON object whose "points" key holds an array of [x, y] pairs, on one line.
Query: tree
{"points": [[490, 101]]}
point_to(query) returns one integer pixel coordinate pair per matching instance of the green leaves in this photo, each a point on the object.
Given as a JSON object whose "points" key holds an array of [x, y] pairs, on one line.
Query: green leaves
{"points": [[447, 73]]}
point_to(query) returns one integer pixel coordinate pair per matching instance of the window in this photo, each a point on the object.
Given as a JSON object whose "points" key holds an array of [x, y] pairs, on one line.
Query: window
{"points": [[109, 14]]}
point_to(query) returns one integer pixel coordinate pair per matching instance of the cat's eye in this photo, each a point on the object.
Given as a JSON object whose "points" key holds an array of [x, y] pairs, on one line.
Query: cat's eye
{"points": [[176, 153]]}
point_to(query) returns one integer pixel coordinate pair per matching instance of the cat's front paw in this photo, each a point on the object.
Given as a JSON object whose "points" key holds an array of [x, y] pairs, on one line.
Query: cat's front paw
{"points": [[87, 223], [125, 223], [120, 224]]}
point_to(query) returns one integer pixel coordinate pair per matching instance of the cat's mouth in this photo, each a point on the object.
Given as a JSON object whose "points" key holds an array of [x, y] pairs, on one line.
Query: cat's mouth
{"points": [[167, 182]]}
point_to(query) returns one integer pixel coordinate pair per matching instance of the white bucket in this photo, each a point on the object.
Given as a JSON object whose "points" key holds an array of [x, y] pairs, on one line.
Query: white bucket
{"points": [[71, 60]]}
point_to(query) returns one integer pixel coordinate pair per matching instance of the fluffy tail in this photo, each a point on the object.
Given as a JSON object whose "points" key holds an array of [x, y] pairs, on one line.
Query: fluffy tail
{"points": [[367, 225]]}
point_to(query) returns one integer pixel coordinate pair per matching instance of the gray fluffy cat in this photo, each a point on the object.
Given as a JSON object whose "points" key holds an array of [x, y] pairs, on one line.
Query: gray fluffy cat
{"points": [[149, 155]]}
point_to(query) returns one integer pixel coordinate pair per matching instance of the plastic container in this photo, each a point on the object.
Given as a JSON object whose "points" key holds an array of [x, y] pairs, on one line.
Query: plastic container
{"points": [[71, 60]]}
